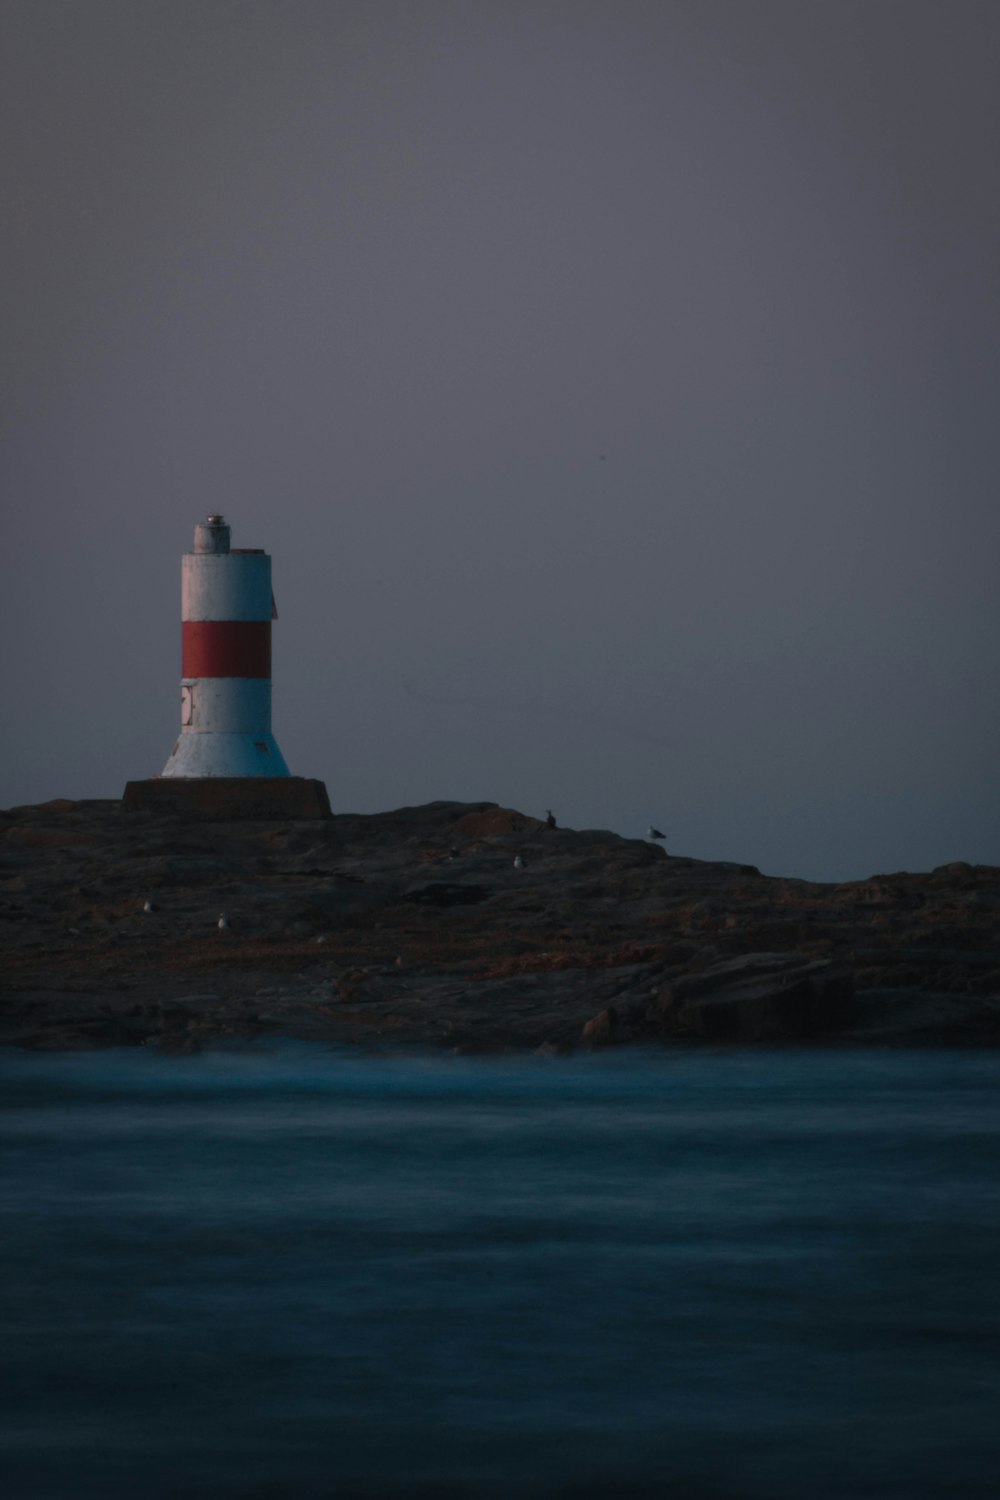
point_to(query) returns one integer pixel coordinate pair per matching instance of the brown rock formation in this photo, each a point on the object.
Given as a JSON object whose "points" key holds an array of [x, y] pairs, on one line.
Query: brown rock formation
{"points": [[414, 927]]}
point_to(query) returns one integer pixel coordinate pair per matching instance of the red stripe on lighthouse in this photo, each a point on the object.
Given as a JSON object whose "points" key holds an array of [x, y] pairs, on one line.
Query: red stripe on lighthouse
{"points": [[227, 648]]}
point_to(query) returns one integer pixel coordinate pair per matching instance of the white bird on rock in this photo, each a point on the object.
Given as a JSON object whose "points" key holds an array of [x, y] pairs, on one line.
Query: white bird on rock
{"points": [[654, 833], [148, 907], [519, 863], [223, 922]]}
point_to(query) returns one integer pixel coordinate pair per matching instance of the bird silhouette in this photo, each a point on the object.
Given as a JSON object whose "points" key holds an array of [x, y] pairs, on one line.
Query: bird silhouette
{"points": [[550, 821], [654, 833]]}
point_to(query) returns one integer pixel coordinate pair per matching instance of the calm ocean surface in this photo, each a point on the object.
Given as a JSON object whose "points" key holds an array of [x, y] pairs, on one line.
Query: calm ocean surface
{"points": [[304, 1273]]}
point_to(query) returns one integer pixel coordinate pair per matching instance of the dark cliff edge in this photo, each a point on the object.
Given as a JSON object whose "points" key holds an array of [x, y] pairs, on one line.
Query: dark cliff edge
{"points": [[415, 927]]}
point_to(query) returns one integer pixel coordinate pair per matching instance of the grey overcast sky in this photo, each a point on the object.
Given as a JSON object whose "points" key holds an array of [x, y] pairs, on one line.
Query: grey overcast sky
{"points": [[614, 383]]}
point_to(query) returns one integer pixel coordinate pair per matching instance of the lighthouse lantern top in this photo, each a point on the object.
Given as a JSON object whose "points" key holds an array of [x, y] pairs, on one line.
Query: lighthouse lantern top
{"points": [[212, 535]]}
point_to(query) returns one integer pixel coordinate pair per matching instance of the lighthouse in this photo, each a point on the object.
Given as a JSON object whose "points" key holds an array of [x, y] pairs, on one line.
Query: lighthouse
{"points": [[226, 762], [226, 611]]}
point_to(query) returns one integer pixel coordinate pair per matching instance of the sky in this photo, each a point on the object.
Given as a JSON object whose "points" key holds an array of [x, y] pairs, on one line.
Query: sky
{"points": [[615, 386]]}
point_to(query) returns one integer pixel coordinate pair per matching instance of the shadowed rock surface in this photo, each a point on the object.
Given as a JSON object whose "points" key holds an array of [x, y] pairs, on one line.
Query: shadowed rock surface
{"points": [[414, 926]]}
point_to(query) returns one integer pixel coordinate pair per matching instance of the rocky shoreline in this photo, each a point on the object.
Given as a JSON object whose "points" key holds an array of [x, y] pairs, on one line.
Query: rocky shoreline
{"points": [[414, 927]]}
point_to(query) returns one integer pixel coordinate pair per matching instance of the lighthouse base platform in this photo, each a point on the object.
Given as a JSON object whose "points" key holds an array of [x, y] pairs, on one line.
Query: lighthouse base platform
{"points": [[232, 797]]}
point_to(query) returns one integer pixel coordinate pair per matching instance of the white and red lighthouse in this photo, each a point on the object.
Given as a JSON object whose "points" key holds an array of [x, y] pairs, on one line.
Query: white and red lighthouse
{"points": [[226, 762], [226, 611]]}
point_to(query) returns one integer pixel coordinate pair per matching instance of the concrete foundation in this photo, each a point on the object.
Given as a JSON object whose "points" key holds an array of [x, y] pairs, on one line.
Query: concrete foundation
{"points": [[264, 797]]}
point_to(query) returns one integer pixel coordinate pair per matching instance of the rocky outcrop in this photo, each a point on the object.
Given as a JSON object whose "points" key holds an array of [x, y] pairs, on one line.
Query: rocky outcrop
{"points": [[414, 926], [760, 997], [603, 1029]]}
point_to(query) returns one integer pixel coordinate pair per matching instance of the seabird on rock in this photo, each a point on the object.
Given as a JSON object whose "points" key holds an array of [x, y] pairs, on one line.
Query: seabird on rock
{"points": [[550, 821], [223, 921], [148, 907], [518, 862], [654, 833]]}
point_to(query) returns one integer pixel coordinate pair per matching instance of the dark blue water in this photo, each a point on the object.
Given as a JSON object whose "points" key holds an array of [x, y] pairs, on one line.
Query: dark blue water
{"points": [[307, 1274]]}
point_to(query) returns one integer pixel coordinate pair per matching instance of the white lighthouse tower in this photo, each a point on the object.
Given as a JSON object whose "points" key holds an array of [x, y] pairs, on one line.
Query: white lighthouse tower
{"points": [[226, 612], [226, 762]]}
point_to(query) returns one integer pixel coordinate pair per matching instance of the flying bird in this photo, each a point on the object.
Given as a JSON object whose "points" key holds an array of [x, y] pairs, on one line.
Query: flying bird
{"points": [[654, 833]]}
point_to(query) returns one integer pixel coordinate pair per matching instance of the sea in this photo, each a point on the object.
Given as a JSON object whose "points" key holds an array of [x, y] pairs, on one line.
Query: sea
{"points": [[292, 1271]]}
